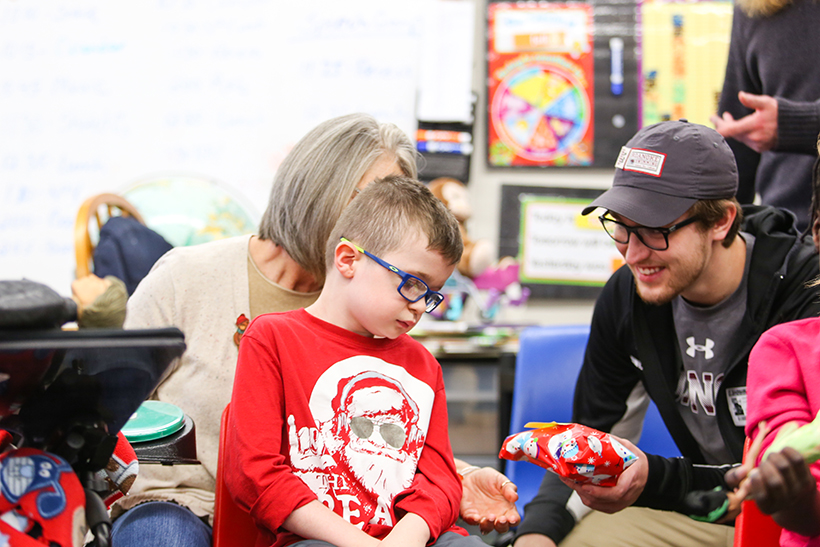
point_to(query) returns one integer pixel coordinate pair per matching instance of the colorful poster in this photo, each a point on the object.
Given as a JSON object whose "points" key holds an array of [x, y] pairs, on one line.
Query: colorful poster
{"points": [[683, 52], [540, 96]]}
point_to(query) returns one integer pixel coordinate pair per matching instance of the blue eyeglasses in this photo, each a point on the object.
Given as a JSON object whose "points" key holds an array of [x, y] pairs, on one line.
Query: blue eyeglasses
{"points": [[412, 288]]}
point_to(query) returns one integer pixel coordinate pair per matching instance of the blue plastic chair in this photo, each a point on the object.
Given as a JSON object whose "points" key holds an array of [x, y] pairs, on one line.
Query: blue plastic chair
{"points": [[546, 369]]}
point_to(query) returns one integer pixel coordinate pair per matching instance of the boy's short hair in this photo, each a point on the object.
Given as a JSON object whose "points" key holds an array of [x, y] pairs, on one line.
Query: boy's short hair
{"points": [[387, 210]]}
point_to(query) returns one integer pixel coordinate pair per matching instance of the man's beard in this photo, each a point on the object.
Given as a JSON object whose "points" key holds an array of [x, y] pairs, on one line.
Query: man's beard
{"points": [[682, 275]]}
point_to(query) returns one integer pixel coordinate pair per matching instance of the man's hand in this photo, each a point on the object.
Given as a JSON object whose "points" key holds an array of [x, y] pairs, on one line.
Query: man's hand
{"points": [[757, 130], [489, 501], [611, 499]]}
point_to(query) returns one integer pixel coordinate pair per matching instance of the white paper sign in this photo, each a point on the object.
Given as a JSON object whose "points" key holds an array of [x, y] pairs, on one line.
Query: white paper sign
{"points": [[560, 246]]}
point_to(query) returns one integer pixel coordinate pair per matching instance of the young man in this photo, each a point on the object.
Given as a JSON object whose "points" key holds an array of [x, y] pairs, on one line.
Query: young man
{"points": [[678, 320], [338, 418]]}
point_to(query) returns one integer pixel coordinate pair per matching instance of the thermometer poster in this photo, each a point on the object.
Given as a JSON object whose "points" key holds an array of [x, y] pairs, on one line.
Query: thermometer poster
{"points": [[540, 97]]}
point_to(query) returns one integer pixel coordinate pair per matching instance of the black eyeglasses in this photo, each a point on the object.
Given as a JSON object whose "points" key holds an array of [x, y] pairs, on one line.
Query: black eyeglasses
{"points": [[411, 288], [656, 239]]}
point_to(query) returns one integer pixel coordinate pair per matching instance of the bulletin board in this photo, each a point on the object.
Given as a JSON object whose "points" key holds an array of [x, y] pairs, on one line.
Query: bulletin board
{"points": [[561, 253], [562, 83], [652, 60], [684, 47], [540, 88]]}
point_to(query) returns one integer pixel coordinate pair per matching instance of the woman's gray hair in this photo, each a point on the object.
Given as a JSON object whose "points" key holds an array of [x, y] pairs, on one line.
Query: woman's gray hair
{"points": [[316, 180]]}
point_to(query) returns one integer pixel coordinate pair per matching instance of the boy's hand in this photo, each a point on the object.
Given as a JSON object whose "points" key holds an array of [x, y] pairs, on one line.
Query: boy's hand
{"points": [[315, 521], [488, 500], [410, 531]]}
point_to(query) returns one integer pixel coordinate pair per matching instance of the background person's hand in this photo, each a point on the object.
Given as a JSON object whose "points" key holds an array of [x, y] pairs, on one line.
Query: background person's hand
{"points": [[611, 499], [757, 130], [100, 301], [86, 289], [489, 501]]}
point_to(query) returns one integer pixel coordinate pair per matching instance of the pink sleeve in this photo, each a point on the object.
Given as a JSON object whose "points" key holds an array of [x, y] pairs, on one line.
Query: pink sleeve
{"points": [[435, 494], [258, 473], [775, 388]]}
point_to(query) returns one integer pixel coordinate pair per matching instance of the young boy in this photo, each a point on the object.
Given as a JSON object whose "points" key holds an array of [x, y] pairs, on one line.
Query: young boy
{"points": [[338, 419]]}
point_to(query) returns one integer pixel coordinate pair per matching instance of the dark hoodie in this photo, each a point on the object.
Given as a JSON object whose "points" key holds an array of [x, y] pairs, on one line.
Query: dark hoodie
{"points": [[781, 265]]}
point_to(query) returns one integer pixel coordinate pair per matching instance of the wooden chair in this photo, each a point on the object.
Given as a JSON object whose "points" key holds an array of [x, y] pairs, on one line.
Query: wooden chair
{"points": [[233, 526], [90, 212]]}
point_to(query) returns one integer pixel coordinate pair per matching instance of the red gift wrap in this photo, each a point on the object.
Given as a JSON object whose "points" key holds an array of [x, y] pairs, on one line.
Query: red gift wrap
{"points": [[574, 451]]}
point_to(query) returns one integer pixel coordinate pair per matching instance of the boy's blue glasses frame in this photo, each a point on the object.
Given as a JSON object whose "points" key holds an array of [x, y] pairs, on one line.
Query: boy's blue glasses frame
{"points": [[431, 298]]}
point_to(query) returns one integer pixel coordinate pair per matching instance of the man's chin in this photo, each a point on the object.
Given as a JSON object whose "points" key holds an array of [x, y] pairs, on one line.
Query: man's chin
{"points": [[654, 297]]}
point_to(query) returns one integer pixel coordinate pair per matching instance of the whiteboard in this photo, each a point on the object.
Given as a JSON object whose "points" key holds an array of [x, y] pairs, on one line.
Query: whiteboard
{"points": [[96, 95]]}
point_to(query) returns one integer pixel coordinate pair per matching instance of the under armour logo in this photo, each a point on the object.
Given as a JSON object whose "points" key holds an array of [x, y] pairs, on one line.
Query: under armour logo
{"points": [[706, 348]]}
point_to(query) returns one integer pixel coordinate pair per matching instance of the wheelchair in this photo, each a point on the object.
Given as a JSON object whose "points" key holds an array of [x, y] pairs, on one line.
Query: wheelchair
{"points": [[64, 396]]}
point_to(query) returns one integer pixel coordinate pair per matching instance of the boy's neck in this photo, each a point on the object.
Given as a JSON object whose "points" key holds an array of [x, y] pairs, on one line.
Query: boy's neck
{"points": [[276, 264], [331, 307]]}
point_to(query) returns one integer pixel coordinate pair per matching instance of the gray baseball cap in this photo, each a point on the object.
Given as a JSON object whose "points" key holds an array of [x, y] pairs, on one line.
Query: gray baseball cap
{"points": [[664, 169]]}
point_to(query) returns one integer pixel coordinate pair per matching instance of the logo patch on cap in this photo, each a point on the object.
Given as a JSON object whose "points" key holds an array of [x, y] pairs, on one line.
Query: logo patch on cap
{"points": [[641, 161]]}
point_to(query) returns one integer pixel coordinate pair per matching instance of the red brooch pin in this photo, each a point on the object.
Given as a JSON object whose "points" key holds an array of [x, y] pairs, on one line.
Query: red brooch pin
{"points": [[241, 324]]}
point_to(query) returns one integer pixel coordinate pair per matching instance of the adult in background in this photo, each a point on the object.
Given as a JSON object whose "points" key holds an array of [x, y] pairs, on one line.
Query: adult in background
{"points": [[702, 280], [211, 291], [770, 103]]}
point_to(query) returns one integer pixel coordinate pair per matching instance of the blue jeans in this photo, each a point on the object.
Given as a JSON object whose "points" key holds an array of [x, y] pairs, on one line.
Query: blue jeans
{"points": [[160, 524]]}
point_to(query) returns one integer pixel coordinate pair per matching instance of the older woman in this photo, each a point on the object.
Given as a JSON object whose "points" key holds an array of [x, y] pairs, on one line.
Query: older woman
{"points": [[211, 291]]}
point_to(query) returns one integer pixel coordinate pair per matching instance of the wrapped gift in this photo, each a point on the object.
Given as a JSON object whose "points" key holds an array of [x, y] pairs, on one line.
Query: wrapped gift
{"points": [[574, 451]]}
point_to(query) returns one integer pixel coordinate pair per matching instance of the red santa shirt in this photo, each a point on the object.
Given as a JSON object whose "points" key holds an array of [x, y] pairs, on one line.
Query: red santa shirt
{"points": [[360, 424]]}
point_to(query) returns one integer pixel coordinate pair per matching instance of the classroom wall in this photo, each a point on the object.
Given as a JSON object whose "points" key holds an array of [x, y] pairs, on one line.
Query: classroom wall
{"points": [[100, 95], [72, 71], [485, 193]]}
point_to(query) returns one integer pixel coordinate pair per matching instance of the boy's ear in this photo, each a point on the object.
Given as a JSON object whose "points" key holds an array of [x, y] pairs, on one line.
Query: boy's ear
{"points": [[345, 259]]}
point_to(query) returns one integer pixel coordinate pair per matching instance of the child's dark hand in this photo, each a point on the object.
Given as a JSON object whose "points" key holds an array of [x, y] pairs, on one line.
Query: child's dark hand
{"points": [[781, 481]]}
